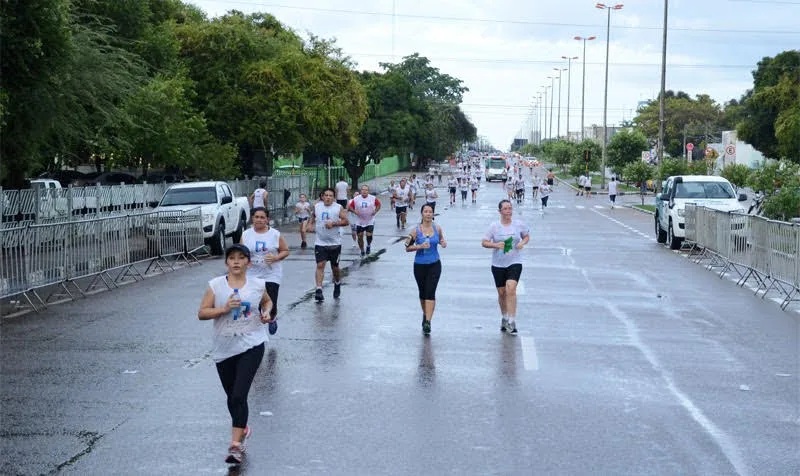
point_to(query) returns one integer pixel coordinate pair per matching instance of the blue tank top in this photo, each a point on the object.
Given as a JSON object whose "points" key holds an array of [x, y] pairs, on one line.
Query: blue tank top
{"points": [[430, 255]]}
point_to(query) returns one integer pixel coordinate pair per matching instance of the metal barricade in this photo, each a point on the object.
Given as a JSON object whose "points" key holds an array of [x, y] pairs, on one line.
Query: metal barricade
{"points": [[691, 222], [13, 275], [193, 230]]}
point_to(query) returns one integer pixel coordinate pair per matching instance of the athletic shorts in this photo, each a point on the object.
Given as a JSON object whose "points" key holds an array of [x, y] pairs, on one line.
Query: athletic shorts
{"points": [[328, 253], [520, 191], [398, 209], [474, 189], [452, 190], [535, 187], [501, 275], [367, 228], [549, 181], [588, 189], [613, 198], [301, 219], [343, 203]]}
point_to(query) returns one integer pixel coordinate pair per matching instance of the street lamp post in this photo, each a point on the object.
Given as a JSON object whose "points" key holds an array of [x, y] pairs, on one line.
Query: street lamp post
{"points": [[569, 82], [583, 82], [552, 87], [558, 126], [608, 9]]}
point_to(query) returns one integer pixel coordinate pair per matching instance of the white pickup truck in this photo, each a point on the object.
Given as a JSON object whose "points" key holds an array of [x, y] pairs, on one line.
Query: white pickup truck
{"points": [[702, 190], [223, 214]]}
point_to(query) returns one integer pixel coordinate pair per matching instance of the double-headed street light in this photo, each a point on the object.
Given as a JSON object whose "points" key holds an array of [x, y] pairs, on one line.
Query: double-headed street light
{"points": [[558, 127], [569, 82], [583, 82], [608, 9], [552, 87]]}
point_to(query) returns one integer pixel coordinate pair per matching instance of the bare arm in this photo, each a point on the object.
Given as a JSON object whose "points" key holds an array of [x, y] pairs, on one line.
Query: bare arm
{"points": [[208, 311], [491, 244], [412, 237], [442, 240], [524, 241]]}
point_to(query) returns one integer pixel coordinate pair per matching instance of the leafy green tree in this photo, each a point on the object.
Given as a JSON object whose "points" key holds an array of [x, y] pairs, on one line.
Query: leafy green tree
{"points": [[670, 167], [625, 147], [736, 174], [595, 153], [780, 184], [561, 153], [770, 120], [427, 81], [638, 172], [697, 167]]}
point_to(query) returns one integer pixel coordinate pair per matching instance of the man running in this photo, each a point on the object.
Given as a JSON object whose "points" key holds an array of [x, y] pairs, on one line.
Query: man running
{"points": [[402, 196], [612, 191], [327, 217], [464, 188], [537, 182], [519, 188], [452, 183], [474, 185], [342, 192], [365, 206]]}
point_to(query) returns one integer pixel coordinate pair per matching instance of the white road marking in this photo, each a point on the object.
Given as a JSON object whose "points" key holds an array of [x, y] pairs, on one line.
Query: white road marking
{"points": [[627, 227], [529, 358], [579, 207]]}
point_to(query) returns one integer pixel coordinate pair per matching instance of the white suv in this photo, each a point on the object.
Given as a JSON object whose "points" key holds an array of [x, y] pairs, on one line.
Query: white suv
{"points": [[702, 190]]}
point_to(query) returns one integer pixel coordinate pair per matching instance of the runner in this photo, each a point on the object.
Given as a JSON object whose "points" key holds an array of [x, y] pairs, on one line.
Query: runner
{"points": [[544, 193], [425, 240], [402, 195], [452, 183], [509, 186], [259, 196], [431, 196], [391, 193], [342, 192], [238, 337], [474, 185], [415, 185], [351, 217], [464, 188], [507, 238], [301, 211], [326, 218], [587, 185], [612, 191], [365, 206], [551, 177], [268, 249], [537, 182], [581, 184], [519, 188]]}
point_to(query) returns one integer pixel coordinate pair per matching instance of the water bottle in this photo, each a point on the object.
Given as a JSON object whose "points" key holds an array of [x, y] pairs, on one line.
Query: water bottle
{"points": [[428, 241], [237, 309]]}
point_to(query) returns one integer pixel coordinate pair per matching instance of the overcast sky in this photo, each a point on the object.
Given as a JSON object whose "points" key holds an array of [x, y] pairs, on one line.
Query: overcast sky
{"points": [[504, 50]]}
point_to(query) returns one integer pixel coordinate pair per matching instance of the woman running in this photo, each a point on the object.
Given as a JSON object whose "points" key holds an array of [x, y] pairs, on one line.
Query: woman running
{"points": [[302, 212], [425, 240], [507, 238], [239, 305], [431, 195], [267, 250], [452, 183]]}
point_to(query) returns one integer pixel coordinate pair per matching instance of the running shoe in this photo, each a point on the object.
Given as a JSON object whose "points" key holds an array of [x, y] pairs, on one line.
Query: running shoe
{"points": [[503, 324], [363, 254], [512, 327], [318, 295], [337, 290], [273, 328], [426, 326], [235, 454], [369, 250], [303, 244]]}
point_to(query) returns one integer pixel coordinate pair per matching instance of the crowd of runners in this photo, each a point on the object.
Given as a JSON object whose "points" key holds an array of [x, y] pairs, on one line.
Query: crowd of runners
{"points": [[243, 302]]}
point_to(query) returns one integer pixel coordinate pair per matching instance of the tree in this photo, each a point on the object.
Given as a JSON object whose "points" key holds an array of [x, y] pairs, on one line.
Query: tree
{"points": [[562, 153], [780, 184], [638, 172], [625, 147], [736, 174], [771, 117], [426, 81], [670, 167]]}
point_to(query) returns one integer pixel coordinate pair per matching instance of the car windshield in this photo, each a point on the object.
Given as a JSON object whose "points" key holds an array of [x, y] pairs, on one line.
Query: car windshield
{"points": [[704, 190], [189, 196], [496, 164]]}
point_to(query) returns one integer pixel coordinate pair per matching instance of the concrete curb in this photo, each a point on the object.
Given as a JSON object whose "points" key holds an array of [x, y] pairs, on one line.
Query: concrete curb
{"points": [[639, 209]]}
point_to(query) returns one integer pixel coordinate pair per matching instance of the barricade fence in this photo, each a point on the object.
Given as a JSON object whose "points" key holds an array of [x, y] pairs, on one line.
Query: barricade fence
{"points": [[753, 247], [106, 250]]}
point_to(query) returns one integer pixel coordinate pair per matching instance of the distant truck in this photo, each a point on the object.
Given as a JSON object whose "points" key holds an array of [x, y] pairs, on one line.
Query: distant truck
{"points": [[496, 168], [223, 214]]}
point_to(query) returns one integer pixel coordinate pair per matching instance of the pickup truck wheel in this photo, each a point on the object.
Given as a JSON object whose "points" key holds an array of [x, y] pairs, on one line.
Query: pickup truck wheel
{"points": [[673, 242], [218, 240], [237, 235], [661, 235]]}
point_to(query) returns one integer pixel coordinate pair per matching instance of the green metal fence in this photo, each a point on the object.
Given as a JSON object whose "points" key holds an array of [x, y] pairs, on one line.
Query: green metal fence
{"points": [[322, 177]]}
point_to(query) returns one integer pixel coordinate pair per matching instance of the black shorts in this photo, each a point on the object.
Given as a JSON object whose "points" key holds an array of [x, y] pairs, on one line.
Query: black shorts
{"points": [[398, 209], [343, 203], [535, 187], [520, 191], [501, 275], [452, 190], [367, 228], [613, 198], [549, 181], [272, 292], [328, 253], [302, 219], [588, 189]]}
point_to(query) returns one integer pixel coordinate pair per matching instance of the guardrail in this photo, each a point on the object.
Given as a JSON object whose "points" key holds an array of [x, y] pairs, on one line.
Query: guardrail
{"points": [[753, 247], [58, 205], [81, 256]]}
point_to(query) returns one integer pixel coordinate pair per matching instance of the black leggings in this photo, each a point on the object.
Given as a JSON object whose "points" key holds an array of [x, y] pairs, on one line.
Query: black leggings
{"points": [[427, 276], [236, 375], [272, 292]]}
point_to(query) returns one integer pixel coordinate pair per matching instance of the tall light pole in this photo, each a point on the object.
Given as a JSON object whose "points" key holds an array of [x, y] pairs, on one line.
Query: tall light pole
{"points": [[538, 118], [569, 82], [608, 9], [583, 82], [545, 111], [558, 126], [552, 87], [660, 150]]}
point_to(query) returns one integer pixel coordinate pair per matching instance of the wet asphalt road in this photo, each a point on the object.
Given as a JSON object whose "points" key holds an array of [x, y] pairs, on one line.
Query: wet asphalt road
{"points": [[630, 360]]}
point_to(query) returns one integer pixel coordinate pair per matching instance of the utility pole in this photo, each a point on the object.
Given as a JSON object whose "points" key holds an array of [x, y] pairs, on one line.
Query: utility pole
{"points": [[558, 127], [583, 82], [552, 87], [660, 151], [605, 95], [569, 82]]}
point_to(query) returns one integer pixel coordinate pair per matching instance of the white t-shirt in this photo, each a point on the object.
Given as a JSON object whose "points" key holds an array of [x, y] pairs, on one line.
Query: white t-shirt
{"points": [[303, 208], [365, 209], [402, 195], [545, 189], [232, 337], [452, 182], [612, 187], [473, 183], [322, 215], [258, 198], [261, 245], [510, 185], [498, 232], [341, 190], [587, 182], [464, 185], [519, 184], [430, 195]]}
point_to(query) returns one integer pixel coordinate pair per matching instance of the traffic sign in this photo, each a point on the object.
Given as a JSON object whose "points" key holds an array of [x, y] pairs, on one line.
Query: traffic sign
{"points": [[645, 155], [689, 146], [730, 150]]}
